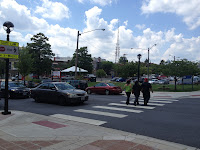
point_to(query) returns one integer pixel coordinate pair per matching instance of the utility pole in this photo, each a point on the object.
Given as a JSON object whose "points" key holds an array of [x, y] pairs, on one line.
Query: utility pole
{"points": [[148, 60], [175, 74], [76, 61]]}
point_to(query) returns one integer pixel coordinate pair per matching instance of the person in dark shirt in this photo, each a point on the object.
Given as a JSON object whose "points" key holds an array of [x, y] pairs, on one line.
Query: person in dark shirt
{"points": [[146, 88], [136, 91]]}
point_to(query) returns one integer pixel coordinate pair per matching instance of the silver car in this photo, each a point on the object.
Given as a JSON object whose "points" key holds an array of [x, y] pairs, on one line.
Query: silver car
{"points": [[61, 93]]}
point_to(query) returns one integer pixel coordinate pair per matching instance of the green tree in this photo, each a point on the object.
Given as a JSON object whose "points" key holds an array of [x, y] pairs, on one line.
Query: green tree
{"points": [[100, 73], [127, 70], [25, 62], [107, 66], [123, 60], [84, 59], [41, 53]]}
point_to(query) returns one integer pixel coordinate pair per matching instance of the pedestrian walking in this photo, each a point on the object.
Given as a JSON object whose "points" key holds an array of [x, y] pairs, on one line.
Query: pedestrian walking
{"points": [[146, 88], [136, 91], [128, 88]]}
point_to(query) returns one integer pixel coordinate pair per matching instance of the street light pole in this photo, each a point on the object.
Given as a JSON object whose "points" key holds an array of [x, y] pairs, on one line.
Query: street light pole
{"points": [[8, 26], [76, 61], [175, 74], [139, 56], [148, 60]]}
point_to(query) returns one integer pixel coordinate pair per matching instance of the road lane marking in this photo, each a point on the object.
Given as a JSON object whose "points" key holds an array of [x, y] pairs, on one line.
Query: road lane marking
{"points": [[119, 109], [154, 104], [79, 119], [158, 101], [101, 113], [137, 106]]}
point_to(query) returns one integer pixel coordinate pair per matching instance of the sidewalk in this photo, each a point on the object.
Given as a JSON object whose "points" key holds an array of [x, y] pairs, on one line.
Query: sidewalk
{"points": [[28, 131]]}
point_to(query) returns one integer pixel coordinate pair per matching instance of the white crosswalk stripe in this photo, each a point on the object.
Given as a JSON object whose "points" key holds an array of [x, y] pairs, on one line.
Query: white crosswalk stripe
{"points": [[156, 101], [101, 113], [119, 109], [116, 107], [79, 119], [171, 100], [138, 106], [151, 104]]}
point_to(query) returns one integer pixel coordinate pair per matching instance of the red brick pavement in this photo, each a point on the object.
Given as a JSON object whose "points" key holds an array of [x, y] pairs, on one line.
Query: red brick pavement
{"points": [[115, 145], [25, 145]]}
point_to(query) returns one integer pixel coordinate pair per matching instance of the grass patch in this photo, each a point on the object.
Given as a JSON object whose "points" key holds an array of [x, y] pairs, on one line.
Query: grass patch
{"points": [[163, 88]]}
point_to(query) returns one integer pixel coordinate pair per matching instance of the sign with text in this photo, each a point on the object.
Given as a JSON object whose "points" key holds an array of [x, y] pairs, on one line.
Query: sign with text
{"points": [[9, 49]]}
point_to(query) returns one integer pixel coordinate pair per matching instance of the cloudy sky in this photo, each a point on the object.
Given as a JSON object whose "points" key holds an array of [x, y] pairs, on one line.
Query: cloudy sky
{"points": [[174, 25]]}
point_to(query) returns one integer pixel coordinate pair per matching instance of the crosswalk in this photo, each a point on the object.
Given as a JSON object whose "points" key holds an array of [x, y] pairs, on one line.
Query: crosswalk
{"points": [[116, 110]]}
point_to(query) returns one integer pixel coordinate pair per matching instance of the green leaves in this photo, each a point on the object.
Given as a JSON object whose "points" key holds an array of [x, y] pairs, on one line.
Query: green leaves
{"points": [[41, 53], [84, 59]]}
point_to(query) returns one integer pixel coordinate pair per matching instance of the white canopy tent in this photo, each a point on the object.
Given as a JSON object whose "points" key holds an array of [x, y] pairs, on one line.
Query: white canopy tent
{"points": [[72, 69]]}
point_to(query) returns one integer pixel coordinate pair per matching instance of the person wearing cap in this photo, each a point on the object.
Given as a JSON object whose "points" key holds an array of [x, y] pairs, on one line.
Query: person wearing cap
{"points": [[146, 88]]}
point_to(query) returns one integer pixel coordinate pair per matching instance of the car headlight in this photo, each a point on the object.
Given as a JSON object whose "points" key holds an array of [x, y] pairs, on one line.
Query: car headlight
{"points": [[71, 95], [13, 90]]}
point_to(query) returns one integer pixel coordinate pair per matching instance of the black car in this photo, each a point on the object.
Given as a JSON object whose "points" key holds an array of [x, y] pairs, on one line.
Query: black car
{"points": [[15, 90], [79, 84], [58, 92]]}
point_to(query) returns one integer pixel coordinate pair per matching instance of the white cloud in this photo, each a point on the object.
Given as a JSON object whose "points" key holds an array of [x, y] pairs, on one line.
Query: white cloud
{"points": [[99, 2], [187, 48], [20, 16], [140, 26], [188, 9], [53, 10], [100, 44]]}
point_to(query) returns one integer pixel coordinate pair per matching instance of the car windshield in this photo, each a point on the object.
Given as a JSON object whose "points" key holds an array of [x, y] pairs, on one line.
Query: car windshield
{"points": [[64, 86], [110, 84], [16, 84]]}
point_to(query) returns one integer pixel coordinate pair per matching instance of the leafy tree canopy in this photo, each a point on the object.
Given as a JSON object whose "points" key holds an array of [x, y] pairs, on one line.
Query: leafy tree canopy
{"points": [[84, 59], [41, 53], [25, 62]]}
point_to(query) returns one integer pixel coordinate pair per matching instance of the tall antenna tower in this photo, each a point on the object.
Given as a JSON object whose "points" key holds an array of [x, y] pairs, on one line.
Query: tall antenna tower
{"points": [[117, 50]]}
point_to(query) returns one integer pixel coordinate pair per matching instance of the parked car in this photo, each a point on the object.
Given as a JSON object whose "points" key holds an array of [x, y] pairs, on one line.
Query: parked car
{"points": [[91, 77], [66, 78], [163, 81], [114, 78], [154, 81], [61, 93], [15, 90], [104, 88], [121, 80], [79, 84], [44, 80]]}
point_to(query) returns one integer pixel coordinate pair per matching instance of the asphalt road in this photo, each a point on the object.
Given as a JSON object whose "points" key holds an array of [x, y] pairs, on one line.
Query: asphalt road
{"points": [[178, 121]]}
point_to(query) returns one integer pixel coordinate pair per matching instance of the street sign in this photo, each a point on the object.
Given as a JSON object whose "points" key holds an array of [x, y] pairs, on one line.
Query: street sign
{"points": [[9, 49]]}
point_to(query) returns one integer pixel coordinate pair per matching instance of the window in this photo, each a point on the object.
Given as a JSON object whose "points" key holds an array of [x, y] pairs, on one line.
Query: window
{"points": [[103, 84], [44, 86], [98, 85], [51, 86]]}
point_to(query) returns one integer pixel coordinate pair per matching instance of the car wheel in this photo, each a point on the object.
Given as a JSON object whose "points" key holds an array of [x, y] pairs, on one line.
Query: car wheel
{"points": [[62, 101], [107, 92], [89, 91]]}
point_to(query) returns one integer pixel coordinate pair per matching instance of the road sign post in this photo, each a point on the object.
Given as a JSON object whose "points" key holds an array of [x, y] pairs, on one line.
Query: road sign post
{"points": [[8, 50]]}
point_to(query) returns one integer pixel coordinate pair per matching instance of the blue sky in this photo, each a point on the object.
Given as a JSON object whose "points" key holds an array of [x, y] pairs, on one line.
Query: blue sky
{"points": [[174, 25]]}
